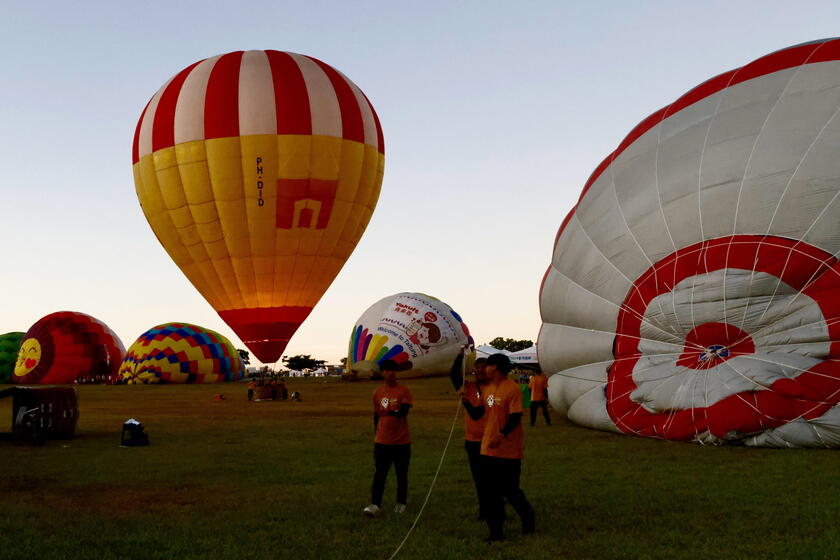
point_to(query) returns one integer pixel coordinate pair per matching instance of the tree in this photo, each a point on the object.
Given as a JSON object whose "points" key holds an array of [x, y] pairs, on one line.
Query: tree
{"points": [[344, 362], [245, 356], [510, 344], [302, 361]]}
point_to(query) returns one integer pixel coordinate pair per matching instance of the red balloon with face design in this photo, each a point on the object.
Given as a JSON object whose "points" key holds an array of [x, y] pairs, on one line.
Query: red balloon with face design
{"points": [[63, 346]]}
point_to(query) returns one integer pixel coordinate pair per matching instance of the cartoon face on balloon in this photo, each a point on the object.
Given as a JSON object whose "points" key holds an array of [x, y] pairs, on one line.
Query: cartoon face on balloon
{"points": [[428, 335], [29, 356]]}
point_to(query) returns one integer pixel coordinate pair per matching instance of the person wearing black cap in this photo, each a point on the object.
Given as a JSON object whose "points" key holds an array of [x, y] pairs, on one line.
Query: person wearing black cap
{"points": [[474, 419], [502, 449], [392, 444]]}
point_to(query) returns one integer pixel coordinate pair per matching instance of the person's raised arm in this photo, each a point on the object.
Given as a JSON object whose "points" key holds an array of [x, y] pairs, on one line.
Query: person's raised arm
{"points": [[457, 373], [475, 412]]}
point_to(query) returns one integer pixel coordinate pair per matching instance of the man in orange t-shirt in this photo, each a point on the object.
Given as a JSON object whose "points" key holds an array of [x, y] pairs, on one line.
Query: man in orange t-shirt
{"points": [[392, 444], [473, 418], [539, 396], [502, 449]]}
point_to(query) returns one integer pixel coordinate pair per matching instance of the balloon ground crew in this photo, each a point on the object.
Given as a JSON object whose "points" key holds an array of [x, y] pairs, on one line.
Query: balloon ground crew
{"points": [[502, 447], [474, 418], [392, 444]]}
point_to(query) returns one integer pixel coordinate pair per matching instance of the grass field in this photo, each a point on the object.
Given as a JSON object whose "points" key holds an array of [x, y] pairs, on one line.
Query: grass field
{"points": [[233, 479]]}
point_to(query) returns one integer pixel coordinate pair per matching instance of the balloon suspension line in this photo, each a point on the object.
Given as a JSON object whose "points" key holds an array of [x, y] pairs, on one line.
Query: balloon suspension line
{"points": [[437, 472]]}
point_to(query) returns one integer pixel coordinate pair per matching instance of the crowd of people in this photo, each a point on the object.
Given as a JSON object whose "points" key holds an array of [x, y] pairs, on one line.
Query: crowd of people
{"points": [[493, 436], [275, 388]]}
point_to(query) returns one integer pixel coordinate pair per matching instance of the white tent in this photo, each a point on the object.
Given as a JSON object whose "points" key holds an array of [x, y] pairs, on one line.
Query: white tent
{"points": [[526, 356], [484, 351]]}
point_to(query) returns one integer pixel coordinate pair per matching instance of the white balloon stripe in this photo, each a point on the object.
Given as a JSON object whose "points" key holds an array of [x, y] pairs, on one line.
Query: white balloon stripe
{"points": [[635, 313], [794, 74], [627, 227], [592, 241], [787, 187]]}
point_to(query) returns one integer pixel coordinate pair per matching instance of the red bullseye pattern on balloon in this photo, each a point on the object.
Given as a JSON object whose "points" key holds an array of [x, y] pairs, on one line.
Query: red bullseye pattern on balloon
{"points": [[709, 344], [760, 356]]}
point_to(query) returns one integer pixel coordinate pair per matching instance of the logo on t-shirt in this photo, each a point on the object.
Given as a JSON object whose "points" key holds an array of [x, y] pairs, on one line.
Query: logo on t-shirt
{"points": [[384, 402], [490, 400]]}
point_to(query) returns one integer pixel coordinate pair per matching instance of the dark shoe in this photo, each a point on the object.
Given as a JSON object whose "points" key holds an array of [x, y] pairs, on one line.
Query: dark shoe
{"points": [[494, 538], [529, 524]]}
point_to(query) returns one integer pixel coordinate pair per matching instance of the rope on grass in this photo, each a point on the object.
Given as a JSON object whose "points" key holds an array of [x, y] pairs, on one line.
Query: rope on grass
{"points": [[432, 486]]}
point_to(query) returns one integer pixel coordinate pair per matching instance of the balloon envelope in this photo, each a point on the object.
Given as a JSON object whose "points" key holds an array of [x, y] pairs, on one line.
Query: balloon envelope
{"points": [[65, 345], [258, 171], [181, 353], [9, 346], [421, 333], [693, 292]]}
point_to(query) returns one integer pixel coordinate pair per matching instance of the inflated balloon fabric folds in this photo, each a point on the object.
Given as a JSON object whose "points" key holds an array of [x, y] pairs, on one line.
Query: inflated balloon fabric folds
{"points": [[694, 291], [181, 353], [64, 346]]}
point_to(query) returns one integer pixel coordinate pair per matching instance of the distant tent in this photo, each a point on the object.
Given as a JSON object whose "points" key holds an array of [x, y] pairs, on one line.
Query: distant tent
{"points": [[527, 356], [483, 351]]}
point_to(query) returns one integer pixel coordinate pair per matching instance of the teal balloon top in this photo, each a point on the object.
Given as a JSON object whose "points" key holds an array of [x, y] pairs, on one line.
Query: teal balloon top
{"points": [[9, 346]]}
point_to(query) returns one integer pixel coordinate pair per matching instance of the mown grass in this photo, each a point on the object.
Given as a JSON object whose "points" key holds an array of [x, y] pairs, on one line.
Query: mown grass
{"points": [[233, 479]]}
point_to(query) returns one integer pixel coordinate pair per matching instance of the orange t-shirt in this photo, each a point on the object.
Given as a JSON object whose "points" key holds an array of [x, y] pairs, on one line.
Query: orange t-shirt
{"points": [[251, 385], [473, 429], [391, 430], [500, 401], [538, 385]]}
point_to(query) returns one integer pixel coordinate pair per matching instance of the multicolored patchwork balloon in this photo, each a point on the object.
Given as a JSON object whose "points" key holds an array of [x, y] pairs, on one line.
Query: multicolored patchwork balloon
{"points": [[181, 353], [9, 346], [694, 292], [258, 172], [421, 333], [63, 346]]}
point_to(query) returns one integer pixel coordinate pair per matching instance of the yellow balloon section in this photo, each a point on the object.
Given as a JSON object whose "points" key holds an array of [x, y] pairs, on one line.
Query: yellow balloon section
{"points": [[181, 353], [259, 172]]}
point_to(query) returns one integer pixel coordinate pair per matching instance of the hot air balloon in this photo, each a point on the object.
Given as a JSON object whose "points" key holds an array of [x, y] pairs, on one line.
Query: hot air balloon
{"points": [[694, 291], [421, 333], [9, 346], [258, 172], [63, 346], [181, 353]]}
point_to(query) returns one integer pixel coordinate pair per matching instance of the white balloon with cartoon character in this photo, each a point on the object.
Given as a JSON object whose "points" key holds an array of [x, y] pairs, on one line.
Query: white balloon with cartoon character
{"points": [[422, 334]]}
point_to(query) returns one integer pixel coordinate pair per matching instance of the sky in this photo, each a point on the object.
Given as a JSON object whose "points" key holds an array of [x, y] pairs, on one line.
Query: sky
{"points": [[494, 114]]}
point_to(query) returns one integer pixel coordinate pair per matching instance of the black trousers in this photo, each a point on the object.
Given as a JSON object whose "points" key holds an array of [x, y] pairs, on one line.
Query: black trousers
{"points": [[383, 457], [540, 404], [500, 482], [473, 449]]}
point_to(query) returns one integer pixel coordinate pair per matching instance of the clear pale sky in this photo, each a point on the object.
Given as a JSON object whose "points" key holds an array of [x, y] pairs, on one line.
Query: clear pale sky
{"points": [[494, 115]]}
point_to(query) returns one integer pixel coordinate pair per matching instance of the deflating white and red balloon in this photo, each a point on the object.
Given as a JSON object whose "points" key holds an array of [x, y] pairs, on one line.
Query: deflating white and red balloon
{"points": [[694, 291]]}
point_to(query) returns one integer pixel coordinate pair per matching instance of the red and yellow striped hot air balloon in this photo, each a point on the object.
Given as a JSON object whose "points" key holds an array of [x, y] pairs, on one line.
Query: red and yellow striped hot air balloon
{"points": [[258, 172]]}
